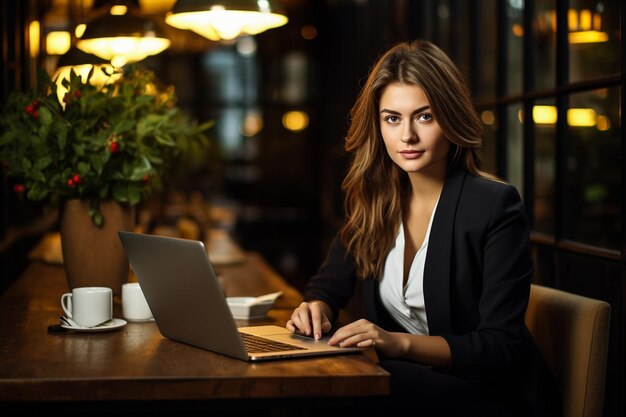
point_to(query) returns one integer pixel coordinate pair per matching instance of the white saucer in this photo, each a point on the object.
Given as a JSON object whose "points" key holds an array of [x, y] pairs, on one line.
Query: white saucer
{"points": [[140, 320], [105, 327]]}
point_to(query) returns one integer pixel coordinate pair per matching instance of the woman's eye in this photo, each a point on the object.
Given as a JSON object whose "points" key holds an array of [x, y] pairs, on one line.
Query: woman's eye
{"points": [[392, 119], [425, 117]]}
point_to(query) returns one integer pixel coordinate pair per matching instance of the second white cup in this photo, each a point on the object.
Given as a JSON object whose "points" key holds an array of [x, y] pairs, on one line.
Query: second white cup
{"points": [[134, 304]]}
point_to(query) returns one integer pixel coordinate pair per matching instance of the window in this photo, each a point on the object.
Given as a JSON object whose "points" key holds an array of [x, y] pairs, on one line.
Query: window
{"points": [[559, 62]]}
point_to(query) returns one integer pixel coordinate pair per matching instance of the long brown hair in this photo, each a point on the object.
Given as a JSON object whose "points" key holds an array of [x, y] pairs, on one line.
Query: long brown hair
{"points": [[374, 186]]}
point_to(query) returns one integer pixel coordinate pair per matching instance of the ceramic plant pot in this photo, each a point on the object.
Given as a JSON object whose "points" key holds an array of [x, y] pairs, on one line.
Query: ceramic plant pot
{"points": [[92, 255]]}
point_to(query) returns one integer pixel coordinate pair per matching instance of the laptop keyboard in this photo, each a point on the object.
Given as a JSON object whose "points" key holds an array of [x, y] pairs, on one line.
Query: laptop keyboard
{"points": [[256, 344]]}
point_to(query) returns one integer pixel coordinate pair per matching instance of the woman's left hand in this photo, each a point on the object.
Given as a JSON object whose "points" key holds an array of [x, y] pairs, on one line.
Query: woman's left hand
{"points": [[429, 350], [363, 333]]}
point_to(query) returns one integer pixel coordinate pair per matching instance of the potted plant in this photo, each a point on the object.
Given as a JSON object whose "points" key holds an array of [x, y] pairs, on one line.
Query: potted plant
{"points": [[100, 149]]}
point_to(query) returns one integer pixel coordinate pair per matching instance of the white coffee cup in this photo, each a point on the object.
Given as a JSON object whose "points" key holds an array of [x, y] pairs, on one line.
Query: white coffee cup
{"points": [[134, 304], [88, 306]]}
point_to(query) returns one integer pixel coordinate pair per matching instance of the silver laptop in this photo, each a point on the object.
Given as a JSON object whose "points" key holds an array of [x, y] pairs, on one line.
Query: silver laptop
{"points": [[189, 306]]}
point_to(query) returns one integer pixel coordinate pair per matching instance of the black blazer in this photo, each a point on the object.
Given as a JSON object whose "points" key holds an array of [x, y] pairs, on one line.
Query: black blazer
{"points": [[476, 286]]}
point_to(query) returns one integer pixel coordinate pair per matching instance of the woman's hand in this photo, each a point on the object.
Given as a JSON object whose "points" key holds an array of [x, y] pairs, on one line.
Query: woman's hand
{"points": [[363, 333], [310, 317], [429, 350]]}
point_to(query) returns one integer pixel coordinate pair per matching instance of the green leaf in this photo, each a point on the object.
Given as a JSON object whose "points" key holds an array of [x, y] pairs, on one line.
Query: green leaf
{"points": [[155, 159], [8, 137], [124, 126], [98, 163], [43, 79], [141, 169], [143, 100], [155, 119], [45, 116], [96, 215], [143, 129], [42, 163], [38, 176], [120, 193], [83, 168], [117, 175], [104, 191], [206, 125], [37, 192], [44, 130], [134, 194], [79, 150], [62, 139], [26, 164], [165, 140], [90, 74]]}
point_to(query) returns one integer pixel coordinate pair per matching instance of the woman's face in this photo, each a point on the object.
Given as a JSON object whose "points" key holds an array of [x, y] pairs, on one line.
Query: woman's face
{"points": [[412, 136]]}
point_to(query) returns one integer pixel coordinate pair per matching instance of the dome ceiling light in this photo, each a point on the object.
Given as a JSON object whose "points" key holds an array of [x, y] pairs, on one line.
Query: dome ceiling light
{"points": [[123, 36], [226, 19]]}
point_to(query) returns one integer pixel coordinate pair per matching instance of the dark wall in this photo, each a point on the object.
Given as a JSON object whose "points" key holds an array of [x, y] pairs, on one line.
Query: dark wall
{"points": [[17, 234]]}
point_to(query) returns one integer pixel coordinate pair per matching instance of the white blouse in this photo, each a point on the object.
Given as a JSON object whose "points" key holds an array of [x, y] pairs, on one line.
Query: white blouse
{"points": [[406, 303]]}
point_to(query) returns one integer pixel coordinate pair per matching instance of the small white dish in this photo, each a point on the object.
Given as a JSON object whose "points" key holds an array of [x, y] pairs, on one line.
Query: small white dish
{"points": [[246, 308], [112, 324], [140, 321]]}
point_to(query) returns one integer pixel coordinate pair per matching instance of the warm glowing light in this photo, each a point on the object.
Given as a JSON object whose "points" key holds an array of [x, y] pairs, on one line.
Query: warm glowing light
{"points": [[588, 36], [80, 30], [603, 123], [58, 42], [544, 115], [118, 10], [572, 19], [584, 20], [123, 37], [597, 22], [220, 23], [581, 117], [518, 30], [296, 121], [578, 117], [585, 27], [488, 117], [308, 32], [252, 124], [121, 50], [34, 32]]}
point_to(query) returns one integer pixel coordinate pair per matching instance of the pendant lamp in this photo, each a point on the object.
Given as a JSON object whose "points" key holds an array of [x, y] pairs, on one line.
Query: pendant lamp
{"points": [[122, 35], [226, 19]]}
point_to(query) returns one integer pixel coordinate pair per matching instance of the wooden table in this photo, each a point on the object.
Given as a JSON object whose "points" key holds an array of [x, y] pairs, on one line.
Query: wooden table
{"points": [[136, 363]]}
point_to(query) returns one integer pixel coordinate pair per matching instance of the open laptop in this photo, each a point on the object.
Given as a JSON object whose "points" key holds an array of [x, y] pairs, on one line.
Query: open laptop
{"points": [[189, 306]]}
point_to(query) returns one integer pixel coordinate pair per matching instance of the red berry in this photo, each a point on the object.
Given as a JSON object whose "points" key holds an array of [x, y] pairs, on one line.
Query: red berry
{"points": [[76, 178], [146, 178], [114, 146], [29, 108], [77, 93], [70, 182], [36, 114], [36, 104], [19, 188]]}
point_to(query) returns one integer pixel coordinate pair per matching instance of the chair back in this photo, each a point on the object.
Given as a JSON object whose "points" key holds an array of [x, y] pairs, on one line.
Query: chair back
{"points": [[572, 331]]}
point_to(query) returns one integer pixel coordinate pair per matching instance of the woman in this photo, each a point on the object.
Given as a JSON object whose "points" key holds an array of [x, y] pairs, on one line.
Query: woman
{"points": [[442, 249]]}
